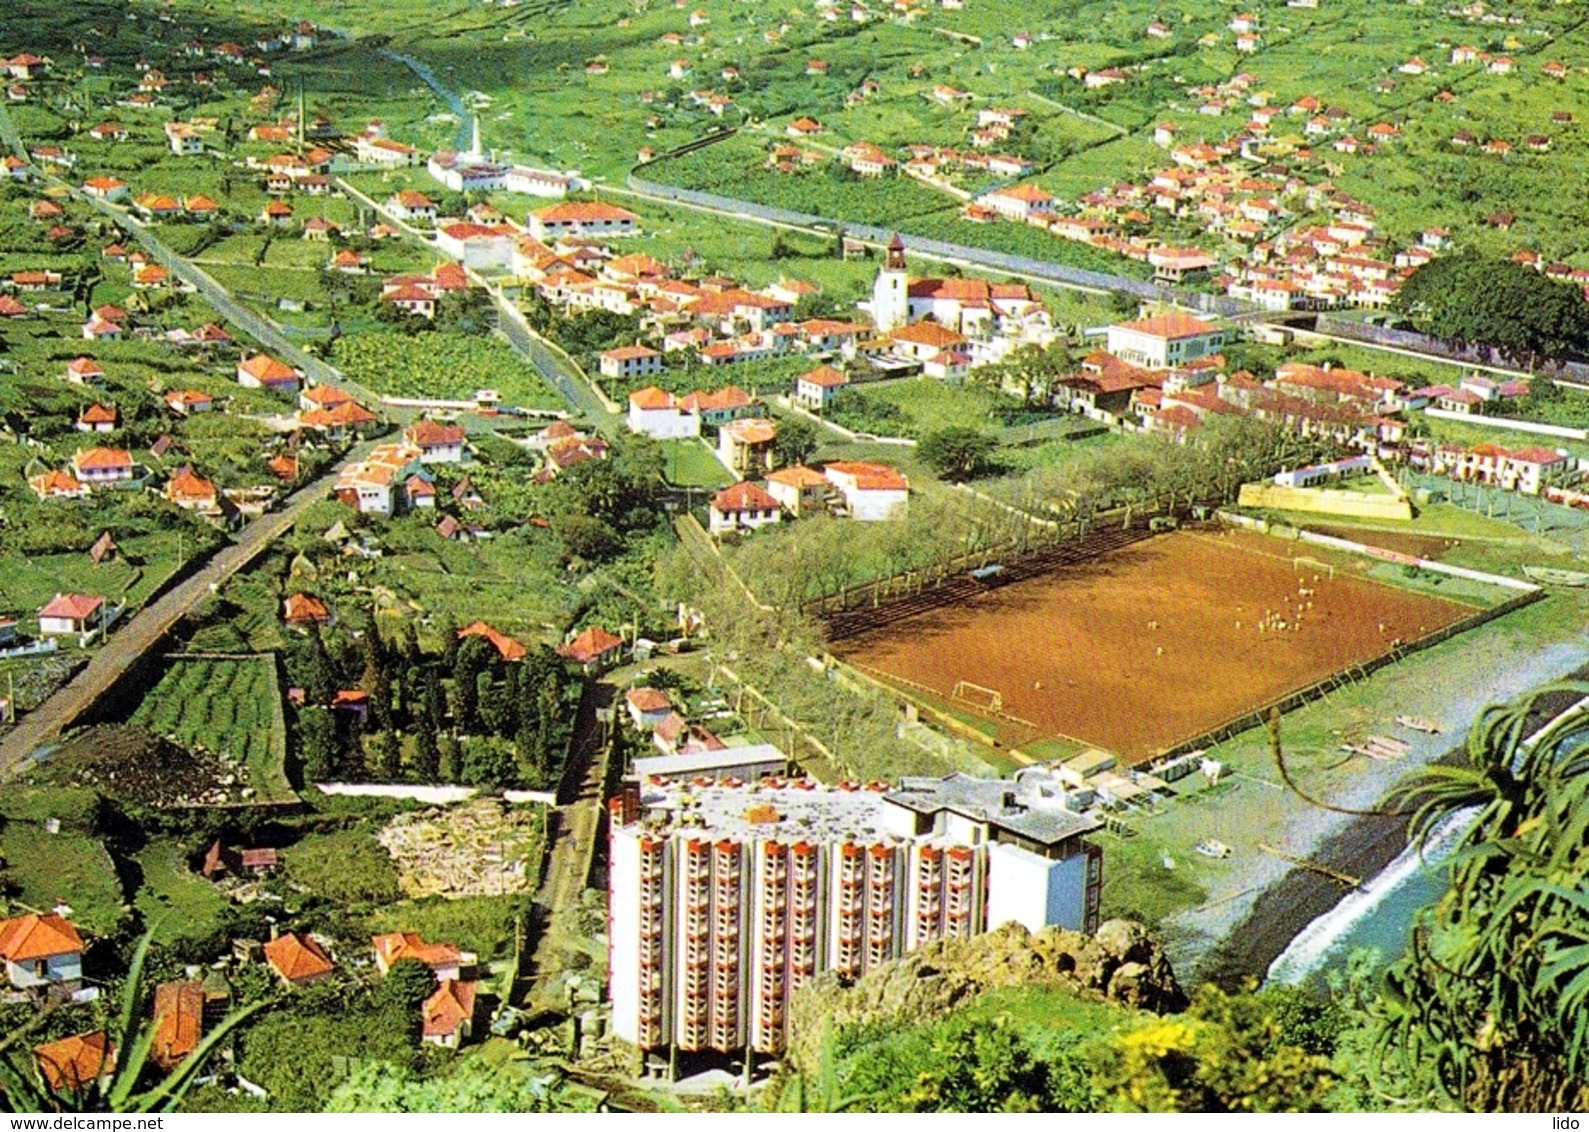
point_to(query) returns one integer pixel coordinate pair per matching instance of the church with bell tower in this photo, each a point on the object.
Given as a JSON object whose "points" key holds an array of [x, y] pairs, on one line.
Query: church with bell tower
{"points": [[891, 290]]}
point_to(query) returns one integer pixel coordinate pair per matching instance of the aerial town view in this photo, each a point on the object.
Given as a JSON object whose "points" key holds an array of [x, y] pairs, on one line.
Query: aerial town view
{"points": [[693, 556]]}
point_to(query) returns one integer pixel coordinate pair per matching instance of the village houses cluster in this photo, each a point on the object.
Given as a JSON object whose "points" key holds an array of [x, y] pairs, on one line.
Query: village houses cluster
{"points": [[43, 954]]}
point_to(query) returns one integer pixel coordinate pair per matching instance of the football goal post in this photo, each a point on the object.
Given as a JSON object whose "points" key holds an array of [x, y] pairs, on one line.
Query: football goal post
{"points": [[988, 698]]}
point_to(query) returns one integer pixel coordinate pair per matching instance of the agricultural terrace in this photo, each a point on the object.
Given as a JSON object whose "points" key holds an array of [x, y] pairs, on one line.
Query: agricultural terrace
{"points": [[1152, 645], [443, 365], [228, 707]]}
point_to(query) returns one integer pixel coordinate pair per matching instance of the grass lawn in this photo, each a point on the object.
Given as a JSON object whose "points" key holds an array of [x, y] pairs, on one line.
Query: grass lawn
{"points": [[482, 924], [689, 463], [346, 867], [1054, 749], [918, 407], [184, 905], [72, 865], [1434, 519], [1137, 886]]}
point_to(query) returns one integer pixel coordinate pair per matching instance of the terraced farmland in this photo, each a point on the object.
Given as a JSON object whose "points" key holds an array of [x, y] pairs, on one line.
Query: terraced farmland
{"points": [[230, 707]]}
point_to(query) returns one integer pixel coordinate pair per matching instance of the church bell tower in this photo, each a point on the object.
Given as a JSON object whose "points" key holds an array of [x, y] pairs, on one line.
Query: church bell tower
{"points": [[890, 293]]}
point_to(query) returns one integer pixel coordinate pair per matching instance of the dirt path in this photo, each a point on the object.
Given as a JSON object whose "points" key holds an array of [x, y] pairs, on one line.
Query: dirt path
{"points": [[577, 824]]}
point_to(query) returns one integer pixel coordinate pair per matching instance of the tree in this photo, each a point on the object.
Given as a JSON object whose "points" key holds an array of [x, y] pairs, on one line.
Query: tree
{"points": [[447, 749], [524, 746], [1224, 1054], [795, 442], [956, 452], [489, 765], [448, 628], [427, 755], [320, 677], [407, 984], [376, 679], [1472, 299], [318, 747], [385, 757], [434, 703], [583, 536], [474, 657], [495, 713], [1489, 1007]]}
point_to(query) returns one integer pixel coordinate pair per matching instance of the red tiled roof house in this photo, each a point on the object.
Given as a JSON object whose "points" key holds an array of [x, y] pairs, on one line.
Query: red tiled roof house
{"points": [[41, 951]]}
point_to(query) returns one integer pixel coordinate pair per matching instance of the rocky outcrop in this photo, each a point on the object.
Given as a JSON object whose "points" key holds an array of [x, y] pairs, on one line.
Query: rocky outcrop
{"points": [[1121, 963]]}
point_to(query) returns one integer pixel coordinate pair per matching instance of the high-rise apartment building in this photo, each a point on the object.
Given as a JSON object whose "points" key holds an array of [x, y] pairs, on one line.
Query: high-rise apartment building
{"points": [[725, 897]]}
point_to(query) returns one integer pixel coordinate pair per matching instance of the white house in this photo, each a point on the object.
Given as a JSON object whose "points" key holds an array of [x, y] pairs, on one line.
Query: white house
{"points": [[264, 372], [630, 361], [71, 615], [1020, 202], [659, 415], [743, 507], [410, 204], [384, 151], [581, 218], [799, 489], [873, 492], [815, 389], [185, 141], [94, 466], [538, 182], [106, 188], [478, 246], [647, 707], [1164, 341], [41, 951], [368, 485], [437, 443]]}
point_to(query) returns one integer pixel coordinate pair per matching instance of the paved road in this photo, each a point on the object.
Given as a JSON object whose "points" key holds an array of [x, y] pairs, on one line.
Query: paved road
{"points": [[263, 330], [147, 628]]}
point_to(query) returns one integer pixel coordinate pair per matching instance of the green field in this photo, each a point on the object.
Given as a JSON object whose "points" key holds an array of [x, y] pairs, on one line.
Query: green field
{"points": [[72, 865], [688, 463], [917, 407], [443, 365], [172, 896], [229, 707]]}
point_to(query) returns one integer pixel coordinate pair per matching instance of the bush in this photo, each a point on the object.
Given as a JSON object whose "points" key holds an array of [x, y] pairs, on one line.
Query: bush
{"points": [[346, 867]]}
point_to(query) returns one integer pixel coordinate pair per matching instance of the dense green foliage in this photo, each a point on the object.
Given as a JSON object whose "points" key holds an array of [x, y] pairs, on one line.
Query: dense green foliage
{"points": [[442, 365], [957, 453], [1500, 306], [1487, 1008], [470, 1086]]}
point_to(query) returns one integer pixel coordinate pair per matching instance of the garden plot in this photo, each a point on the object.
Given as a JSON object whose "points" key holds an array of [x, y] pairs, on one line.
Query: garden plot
{"points": [[225, 711]]}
